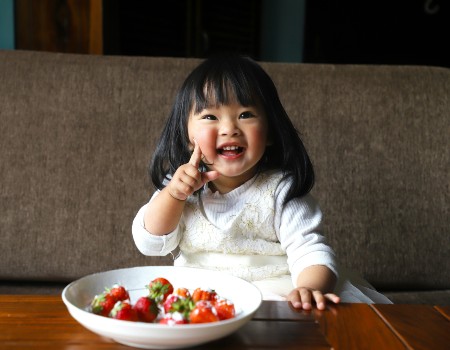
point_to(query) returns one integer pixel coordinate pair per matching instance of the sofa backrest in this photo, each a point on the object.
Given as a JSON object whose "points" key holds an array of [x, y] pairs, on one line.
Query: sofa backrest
{"points": [[77, 132], [379, 137]]}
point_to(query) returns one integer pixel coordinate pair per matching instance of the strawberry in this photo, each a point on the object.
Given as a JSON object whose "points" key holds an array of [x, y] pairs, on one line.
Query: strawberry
{"points": [[182, 292], [175, 303], [167, 305], [203, 312], [173, 319], [102, 304], [204, 294], [123, 310], [146, 309], [225, 309], [160, 289], [119, 292]]}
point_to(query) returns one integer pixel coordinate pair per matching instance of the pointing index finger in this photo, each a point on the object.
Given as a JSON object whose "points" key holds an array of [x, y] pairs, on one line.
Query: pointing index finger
{"points": [[196, 155]]}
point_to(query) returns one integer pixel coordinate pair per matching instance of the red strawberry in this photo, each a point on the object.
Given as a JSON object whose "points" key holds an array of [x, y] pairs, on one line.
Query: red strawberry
{"points": [[102, 304], [124, 311], [160, 289], [169, 301], [182, 292], [175, 303], [203, 312], [146, 309], [225, 309], [173, 319], [204, 294], [119, 292]]}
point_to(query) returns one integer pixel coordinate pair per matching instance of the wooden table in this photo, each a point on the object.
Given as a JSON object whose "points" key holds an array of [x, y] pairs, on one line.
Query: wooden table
{"points": [[43, 322]]}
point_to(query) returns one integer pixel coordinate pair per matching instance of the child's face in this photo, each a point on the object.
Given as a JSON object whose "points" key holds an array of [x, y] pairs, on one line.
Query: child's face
{"points": [[232, 138]]}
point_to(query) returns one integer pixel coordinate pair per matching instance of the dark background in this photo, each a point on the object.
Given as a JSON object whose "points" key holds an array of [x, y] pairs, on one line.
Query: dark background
{"points": [[391, 32], [322, 31]]}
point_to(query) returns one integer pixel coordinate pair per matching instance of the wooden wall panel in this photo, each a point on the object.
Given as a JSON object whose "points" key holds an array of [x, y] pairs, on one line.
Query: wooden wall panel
{"points": [[72, 26]]}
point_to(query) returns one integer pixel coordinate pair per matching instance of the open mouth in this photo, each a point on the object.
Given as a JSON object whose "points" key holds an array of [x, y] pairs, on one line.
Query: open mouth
{"points": [[230, 150]]}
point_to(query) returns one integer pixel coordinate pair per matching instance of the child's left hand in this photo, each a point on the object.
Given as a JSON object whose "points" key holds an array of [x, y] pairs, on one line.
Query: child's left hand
{"points": [[303, 298]]}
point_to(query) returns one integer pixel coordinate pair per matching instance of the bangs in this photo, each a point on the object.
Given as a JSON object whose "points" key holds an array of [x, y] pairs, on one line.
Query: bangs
{"points": [[221, 85]]}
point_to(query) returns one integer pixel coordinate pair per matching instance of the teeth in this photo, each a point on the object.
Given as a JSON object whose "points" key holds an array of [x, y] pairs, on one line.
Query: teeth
{"points": [[230, 148]]}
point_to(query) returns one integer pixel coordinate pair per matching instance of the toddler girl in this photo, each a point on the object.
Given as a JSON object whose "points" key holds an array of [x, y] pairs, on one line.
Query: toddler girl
{"points": [[233, 180]]}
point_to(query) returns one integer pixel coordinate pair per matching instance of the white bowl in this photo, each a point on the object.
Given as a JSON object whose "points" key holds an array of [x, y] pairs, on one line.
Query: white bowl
{"points": [[78, 295]]}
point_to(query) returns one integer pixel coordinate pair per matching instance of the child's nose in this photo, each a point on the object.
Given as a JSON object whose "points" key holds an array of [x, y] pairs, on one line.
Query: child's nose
{"points": [[229, 128]]}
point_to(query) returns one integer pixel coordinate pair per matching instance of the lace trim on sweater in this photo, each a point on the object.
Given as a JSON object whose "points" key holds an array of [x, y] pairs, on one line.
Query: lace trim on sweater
{"points": [[250, 231]]}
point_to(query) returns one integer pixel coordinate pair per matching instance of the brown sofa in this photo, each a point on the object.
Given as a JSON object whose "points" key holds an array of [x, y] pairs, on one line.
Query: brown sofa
{"points": [[77, 132]]}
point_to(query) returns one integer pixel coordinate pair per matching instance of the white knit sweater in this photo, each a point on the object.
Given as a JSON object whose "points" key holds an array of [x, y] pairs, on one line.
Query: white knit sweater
{"points": [[247, 232]]}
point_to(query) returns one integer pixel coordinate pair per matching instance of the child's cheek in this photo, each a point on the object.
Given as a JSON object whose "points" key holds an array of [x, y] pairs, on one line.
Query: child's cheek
{"points": [[206, 139]]}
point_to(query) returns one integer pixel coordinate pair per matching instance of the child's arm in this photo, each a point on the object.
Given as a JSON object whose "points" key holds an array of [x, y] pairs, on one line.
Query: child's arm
{"points": [[164, 211], [315, 283]]}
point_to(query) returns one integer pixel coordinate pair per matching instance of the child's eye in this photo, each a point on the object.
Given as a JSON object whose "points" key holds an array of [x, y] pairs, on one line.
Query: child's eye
{"points": [[209, 117], [246, 115]]}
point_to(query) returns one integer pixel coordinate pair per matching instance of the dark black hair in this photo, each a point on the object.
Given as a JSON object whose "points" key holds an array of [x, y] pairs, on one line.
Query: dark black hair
{"points": [[229, 77]]}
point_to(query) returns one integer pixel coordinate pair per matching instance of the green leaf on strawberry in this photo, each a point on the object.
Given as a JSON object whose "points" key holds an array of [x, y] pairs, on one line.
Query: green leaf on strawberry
{"points": [[159, 289]]}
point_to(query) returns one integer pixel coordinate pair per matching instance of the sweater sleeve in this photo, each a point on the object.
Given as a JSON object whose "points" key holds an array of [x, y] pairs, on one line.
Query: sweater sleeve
{"points": [[149, 244], [298, 225]]}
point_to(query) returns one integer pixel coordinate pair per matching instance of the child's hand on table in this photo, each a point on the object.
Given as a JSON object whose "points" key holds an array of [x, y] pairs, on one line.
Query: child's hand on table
{"points": [[303, 298]]}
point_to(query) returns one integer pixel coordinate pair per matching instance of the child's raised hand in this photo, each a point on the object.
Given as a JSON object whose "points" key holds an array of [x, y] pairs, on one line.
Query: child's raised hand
{"points": [[188, 179], [303, 298]]}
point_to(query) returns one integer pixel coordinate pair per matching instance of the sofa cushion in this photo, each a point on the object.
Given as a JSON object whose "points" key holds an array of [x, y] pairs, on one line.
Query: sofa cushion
{"points": [[379, 138], [76, 136]]}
